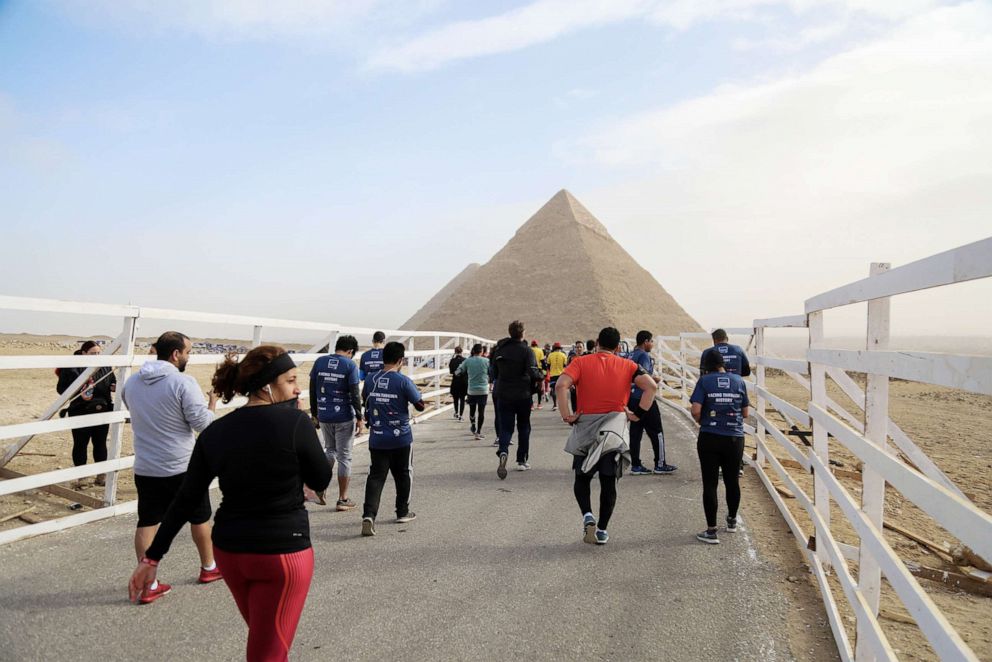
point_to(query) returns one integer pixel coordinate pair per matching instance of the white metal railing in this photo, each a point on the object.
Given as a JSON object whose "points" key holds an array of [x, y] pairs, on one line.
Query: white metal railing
{"points": [[876, 441], [120, 355]]}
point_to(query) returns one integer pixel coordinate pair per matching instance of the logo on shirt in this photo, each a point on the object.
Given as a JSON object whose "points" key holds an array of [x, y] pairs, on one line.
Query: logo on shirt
{"points": [[396, 432], [337, 407], [332, 363], [383, 383], [722, 349], [723, 382]]}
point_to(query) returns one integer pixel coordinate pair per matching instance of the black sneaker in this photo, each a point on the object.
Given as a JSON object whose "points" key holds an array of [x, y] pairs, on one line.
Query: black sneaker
{"points": [[409, 517], [501, 469], [732, 524], [708, 537]]}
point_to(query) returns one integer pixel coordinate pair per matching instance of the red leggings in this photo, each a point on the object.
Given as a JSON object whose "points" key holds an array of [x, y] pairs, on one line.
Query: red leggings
{"points": [[270, 590]]}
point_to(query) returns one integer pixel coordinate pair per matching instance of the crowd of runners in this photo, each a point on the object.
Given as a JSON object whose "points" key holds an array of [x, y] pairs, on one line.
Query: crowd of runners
{"points": [[269, 459]]}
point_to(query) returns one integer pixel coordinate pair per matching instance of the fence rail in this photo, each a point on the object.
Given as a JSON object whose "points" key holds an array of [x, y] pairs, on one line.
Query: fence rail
{"points": [[120, 355], [878, 443]]}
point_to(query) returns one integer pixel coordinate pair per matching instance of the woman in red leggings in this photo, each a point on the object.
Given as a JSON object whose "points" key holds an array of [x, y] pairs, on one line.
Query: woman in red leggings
{"points": [[263, 454]]}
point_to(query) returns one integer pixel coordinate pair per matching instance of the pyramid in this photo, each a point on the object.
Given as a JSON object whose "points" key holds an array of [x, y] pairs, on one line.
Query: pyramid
{"points": [[564, 276]]}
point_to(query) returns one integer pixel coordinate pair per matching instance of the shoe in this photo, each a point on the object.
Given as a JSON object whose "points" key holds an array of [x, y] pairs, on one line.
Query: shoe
{"points": [[740, 472], [732, 524], [409, 517], [602, 537], [522, 466], [472, 428], [207, 576], [151, 595], [320, 497], [589, 529], [495, 441], [100, 481], [540, 406], [501, 469], [476, 437], [708, 537], [368, 526], [664, 469], [554, 407], [640, 471], [345, 504]]}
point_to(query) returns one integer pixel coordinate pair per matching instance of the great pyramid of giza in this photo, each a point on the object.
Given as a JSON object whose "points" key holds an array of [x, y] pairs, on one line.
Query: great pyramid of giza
{"points": [[564, 276]]}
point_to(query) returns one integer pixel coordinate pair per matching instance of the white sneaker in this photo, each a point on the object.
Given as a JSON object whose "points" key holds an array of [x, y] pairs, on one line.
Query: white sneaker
{"points": [[522, 466]]}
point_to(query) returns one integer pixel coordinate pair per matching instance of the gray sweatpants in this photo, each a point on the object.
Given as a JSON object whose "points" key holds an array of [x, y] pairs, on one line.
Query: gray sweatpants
{"points": [[338, 441]]}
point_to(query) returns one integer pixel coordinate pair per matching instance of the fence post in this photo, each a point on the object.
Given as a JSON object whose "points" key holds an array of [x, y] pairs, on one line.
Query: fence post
{"points": [[128, 332], [256, 337], [873, 485], [818, 395], [437, 366], [685, 393], [759, 349]]}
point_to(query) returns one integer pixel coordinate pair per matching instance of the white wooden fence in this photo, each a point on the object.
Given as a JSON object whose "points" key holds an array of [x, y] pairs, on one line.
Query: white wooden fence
{"points": [[120, 354], [877, 442]]}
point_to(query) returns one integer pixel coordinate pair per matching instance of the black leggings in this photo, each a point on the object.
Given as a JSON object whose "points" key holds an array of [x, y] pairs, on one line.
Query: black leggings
{"points": [[80, 441], [607, 496], [477, 402], [459, 399], [651, 422], [397, 461], [718, 452]]}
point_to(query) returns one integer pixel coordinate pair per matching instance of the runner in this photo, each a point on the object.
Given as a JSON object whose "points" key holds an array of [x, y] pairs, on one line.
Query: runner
{"points": [[166, 408], [371, 360], [390, 394], [598, 442], [476, 371], [336, 408], [734, 359], [459, 383], [556, 365], [95, 396], [719, 405], [263, 453], [538, 389], [515, 370], [652, 420]]}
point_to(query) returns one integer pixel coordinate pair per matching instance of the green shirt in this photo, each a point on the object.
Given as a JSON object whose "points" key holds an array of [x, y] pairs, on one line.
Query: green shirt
{"points": [[477, 369]]}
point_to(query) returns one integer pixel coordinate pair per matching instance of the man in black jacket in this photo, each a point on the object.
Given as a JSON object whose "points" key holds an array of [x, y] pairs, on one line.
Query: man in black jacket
{"points": [[515, 370]]}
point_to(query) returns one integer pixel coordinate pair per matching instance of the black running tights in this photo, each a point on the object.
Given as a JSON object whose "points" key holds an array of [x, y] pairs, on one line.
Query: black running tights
{"points": [[718, 452], [459, 404], [607, 496], [477, 403], [81, 439]]}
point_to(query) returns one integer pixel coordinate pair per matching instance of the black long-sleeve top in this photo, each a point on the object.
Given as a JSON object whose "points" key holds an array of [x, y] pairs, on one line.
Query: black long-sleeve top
{"points": [[262, 455], [101, 397]]}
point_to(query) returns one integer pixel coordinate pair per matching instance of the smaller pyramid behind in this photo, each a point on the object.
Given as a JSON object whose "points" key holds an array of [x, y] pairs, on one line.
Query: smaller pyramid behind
{"points": [[564, 276]]}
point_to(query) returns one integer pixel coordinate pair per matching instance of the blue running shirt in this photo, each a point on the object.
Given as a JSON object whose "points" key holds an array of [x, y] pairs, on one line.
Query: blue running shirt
{"points": [[723, 397], [370, 362], [334, 375], [643, 359], [389, 396], [734, 359]]}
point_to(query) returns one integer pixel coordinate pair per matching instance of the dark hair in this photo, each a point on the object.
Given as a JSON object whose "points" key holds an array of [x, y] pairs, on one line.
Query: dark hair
{"points": [[232, 377], [87, 346], [393, 352], [591, 345], [712, 361], [458, 350], [609, 338], [346, 344], [516, 330], [476, 349], [643, 337], [169, 342], [378, 336], [719, 335]]}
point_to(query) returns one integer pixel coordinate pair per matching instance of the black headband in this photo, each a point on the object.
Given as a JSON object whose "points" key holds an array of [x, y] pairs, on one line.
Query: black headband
{"points": [[271, 371]]}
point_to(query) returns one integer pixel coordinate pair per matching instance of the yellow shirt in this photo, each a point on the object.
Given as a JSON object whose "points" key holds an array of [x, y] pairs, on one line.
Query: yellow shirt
{"points": [[538, 354], [556, 363]]}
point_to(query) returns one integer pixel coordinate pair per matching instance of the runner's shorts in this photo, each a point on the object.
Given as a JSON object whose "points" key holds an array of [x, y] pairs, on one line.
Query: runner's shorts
{"points": [[155, 494]]}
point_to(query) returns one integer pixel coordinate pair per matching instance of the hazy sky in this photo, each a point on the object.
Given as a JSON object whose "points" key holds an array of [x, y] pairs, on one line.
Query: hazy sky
{"points": [[341, 160]]}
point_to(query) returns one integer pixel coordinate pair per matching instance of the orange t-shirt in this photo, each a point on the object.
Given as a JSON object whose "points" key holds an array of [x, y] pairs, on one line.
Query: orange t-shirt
{"points": [[602, 382]]}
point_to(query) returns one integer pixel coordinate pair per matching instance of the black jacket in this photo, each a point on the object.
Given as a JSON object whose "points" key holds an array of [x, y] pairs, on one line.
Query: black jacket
{"points": [[514, 369], [95, 400]]}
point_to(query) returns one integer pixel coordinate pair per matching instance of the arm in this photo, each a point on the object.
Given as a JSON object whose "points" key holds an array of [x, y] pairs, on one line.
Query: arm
{"points": [[66, 377], [562, 387], [314, 469], [313, 397], [649, 386], [196, 412], [745, 366], [697, 411], [356, 404]]}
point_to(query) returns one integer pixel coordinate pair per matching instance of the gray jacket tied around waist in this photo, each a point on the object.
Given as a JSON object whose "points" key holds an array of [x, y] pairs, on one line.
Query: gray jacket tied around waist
{"points": [[595, 435]]}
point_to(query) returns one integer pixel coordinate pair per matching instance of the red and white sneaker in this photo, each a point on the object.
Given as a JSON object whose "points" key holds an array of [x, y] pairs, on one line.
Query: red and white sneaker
{"points": [[207, 576], [153, 594]]}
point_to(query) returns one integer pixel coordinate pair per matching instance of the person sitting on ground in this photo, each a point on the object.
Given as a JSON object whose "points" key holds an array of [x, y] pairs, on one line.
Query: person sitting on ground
{"points": [[95, 396], [459, 383], [387, 410], [476, 371], [598, 442], [263, 454], [719, 405], [336, 408]]}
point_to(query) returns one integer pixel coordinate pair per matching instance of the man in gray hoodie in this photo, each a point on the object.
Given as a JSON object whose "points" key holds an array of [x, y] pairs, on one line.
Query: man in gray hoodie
{"points": [[167, 410]]}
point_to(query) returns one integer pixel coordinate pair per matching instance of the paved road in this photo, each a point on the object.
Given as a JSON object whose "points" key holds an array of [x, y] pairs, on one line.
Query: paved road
{"points": [[490, 570]]}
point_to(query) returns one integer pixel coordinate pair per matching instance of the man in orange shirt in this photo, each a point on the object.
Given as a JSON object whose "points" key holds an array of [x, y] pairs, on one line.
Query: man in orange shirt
{"points": [[599, 442]]}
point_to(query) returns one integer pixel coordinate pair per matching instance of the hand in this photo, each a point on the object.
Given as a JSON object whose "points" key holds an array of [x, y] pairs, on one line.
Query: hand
{"points": [[630, 415], [302, 407], [316, 422], [212, 403], [571, 418], [142, 578], [359, 427]]}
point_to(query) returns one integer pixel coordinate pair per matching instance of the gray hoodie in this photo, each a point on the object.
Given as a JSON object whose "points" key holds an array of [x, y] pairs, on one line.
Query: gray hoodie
{"points": [[167, 411]]}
